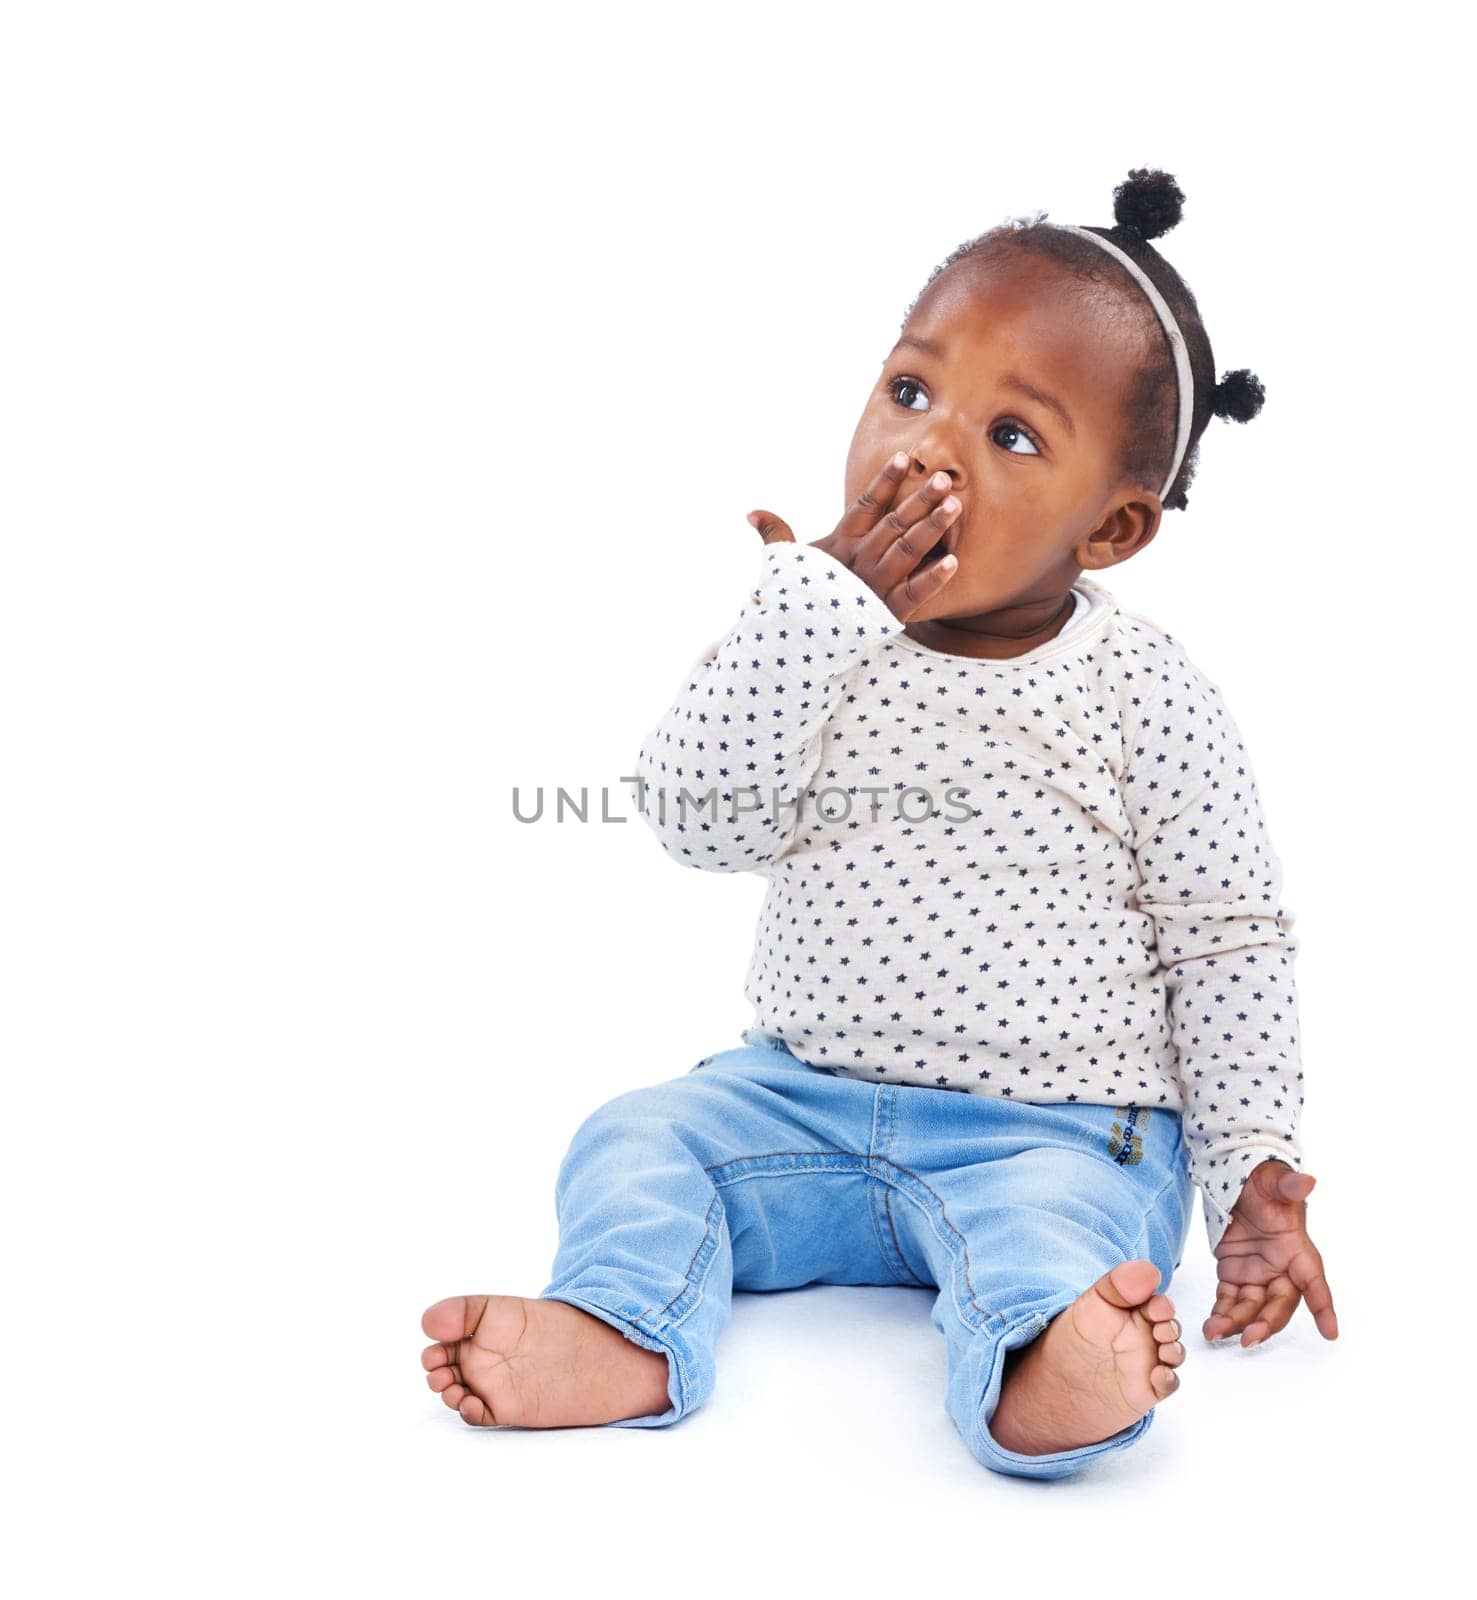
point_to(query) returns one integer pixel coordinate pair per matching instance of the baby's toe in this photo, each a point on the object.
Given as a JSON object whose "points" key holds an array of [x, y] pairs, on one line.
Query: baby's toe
{"points": [[1164, 1381], [441, 1377], [455, 1318], [1167, 1330], [473, 1410], [1130, 1283], [1171, 1354], [1158, 1308]]}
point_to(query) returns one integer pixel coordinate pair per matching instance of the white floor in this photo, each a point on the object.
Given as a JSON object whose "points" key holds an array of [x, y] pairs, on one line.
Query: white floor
{"points": [[826, 1454], [248, 1416]]}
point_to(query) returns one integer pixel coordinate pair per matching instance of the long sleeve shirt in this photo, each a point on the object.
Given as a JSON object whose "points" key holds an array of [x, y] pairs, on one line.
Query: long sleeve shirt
{"points": [[1047, 878]]}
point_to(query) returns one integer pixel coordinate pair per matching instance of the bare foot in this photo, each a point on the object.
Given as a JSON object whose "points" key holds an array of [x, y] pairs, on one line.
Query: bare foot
{"points": [[1097, 1368], [502, 1360]]}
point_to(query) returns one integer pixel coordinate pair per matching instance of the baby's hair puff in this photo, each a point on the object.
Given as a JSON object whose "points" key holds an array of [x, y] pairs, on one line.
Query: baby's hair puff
{"points": [[1145, 206]]}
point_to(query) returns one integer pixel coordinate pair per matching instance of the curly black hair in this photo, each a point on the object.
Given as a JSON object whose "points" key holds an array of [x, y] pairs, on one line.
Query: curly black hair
{"points": [[1147, 204]]}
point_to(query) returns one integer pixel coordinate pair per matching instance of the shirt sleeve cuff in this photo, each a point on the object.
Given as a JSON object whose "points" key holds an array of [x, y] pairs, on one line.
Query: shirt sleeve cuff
{"points": [[808, 574], [1222, 1175]]}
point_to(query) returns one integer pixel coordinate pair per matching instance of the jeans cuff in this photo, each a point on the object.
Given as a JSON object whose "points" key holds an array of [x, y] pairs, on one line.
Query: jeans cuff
{"points": [[668, 1342], [1059, 1463]]}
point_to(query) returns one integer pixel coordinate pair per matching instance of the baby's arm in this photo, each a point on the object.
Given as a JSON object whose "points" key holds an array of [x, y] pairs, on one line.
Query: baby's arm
{"points": [[1212, 884], [743, 738], [721, 778]]}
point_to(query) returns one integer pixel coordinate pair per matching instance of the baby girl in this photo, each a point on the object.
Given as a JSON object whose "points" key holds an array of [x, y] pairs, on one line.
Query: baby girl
{"points": [[1014, 850]]}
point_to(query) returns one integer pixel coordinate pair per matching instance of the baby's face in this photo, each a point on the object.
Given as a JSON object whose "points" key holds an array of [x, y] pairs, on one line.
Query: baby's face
{"points": [[1042, 497]]}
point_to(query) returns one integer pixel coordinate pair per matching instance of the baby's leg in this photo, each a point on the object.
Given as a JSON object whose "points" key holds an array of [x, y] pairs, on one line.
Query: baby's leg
{"points": [[668, 1198], [1053, 1255]]}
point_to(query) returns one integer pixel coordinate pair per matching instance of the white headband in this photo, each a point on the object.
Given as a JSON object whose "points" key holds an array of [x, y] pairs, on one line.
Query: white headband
{"points": [[1176, 339]]}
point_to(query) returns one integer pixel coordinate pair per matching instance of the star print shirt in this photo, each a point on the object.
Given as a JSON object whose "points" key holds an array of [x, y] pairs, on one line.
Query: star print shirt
{"points": [[1047, 878]]}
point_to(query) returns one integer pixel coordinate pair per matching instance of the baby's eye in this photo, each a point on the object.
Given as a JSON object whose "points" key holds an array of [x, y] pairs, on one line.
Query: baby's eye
{"points": [[900, 385], [1021, 436]]}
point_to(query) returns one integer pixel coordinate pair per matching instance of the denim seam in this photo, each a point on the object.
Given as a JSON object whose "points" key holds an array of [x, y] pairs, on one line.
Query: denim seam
{"points": [[918, 1278], [854, 1156], [962, 1245], [697, 1269], [884, 1117], [877, 1140]]}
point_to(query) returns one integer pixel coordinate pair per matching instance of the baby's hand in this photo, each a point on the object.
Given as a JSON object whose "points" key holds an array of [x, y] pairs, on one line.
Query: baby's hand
{"points": [[1266, 1261], [886, 548]]}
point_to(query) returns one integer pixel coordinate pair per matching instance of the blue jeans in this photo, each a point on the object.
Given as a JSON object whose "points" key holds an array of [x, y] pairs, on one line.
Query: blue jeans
{"points": [[755, 1171]]}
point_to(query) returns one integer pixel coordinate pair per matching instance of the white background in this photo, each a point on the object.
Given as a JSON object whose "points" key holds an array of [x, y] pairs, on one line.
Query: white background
{"points": [[384, 389]]}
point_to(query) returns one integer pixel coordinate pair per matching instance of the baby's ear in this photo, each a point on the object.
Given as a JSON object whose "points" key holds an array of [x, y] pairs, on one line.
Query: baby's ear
{"points": [[772, 529], [1123, 533]]}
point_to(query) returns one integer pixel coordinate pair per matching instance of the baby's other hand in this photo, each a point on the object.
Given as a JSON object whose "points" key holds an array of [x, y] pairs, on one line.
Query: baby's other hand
{"points": [[1267, 1263], [895, 550]]}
